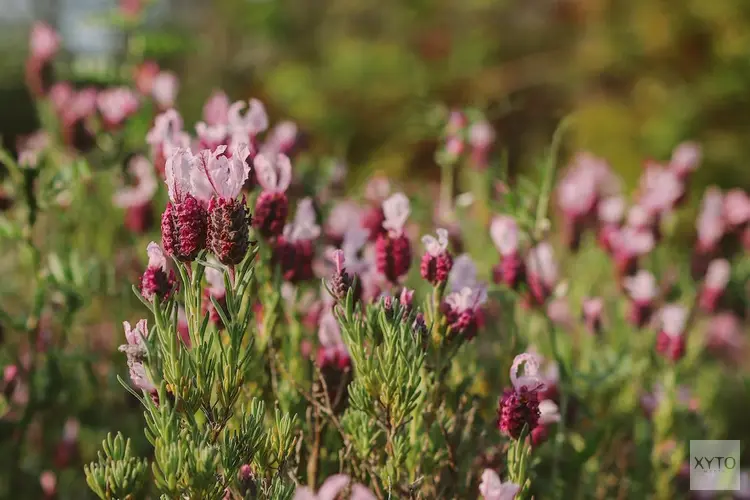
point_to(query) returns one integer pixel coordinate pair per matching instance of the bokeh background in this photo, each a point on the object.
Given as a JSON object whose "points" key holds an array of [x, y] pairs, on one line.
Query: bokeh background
{"points": [[362, 78]]}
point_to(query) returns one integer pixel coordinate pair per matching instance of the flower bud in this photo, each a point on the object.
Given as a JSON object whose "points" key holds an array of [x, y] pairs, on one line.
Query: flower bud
{"points": [[437, 261]]}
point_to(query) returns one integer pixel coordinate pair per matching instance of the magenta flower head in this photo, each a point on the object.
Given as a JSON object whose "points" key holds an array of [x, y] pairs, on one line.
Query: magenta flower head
{"points": [[670, 342], [686, 158], [136, 199], [506, 238], [272, 205], [492, 488], [437, 260], [334, 488], [717, 278], [294, 251], [156, 282], [541, 272], [462, 306], [642, 290], [184, 224], [393, 249], [164, 89], [519, 406], [221, 186], [116, 105], [216, 109]]}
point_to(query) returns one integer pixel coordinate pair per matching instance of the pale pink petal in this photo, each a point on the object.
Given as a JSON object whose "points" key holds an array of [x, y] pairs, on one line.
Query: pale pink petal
{"points": [[718, 273], [333, 486], [156, 257], [436, 246], [216, 109], [164, 89], [304, 493], [673, 319], [642, 287], [44, 42], [529, 374], [178, 173], [396, 210], [505, 234]]}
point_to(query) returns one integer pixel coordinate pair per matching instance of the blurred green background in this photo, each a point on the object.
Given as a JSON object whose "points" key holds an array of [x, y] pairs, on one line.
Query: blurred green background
{"points": [[362, 78]]}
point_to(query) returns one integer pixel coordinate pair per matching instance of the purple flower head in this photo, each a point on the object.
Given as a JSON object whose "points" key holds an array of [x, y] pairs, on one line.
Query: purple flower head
{"points": [[492, 488], [156, 282], [437, 262], [436, 246]]}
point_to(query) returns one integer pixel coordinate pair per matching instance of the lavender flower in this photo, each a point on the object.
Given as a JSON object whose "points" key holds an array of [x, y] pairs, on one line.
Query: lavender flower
{"points": [[492, 488]]}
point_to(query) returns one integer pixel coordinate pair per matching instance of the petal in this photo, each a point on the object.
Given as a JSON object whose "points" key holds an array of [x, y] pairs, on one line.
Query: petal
{"points": [[304, 493], [156, 258], [284, 169], [265, 173], [332, 486]]}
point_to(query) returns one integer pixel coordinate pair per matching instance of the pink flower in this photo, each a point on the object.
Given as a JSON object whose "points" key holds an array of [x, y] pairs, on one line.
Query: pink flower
{"points": [[280, 139], [144, 76], [628, 245], [396, 210], [481, 136], [670, 342], [48, 482], [32, 147], [717, 277], [60, 94], [660, 189], [211, 136], [274, 176], [116, 104], [492, 488], [437, 261], [164, 89], [79, 106], [332, 487], [736, 208], [524, 372], [725, 335], [145, 185], [592, 313], [685, 159], [156, 283], [332, 350], [244, 128], [542, 271], [216, 109], [505, 235], [44, 42], [641, 287], [294, 250], [343, 216], [710, 222], [222, 177], [136, 336]]}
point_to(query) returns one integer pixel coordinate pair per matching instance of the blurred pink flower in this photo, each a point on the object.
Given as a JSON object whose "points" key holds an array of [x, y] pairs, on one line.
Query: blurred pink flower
{"points": [[492, 488], [710, 222], [332, 487], [725, 335], [164, 87], [116, 104], [145, 186], [686, 158], [44, 42], [280, 139], [736, 208], [216, 109]]}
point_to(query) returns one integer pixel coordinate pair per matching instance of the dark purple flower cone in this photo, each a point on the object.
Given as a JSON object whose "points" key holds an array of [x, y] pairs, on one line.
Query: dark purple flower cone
{"points": [[518, 408], [435, 269], [271, 210], [228, 234], [183, 229], [392, 256]]}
